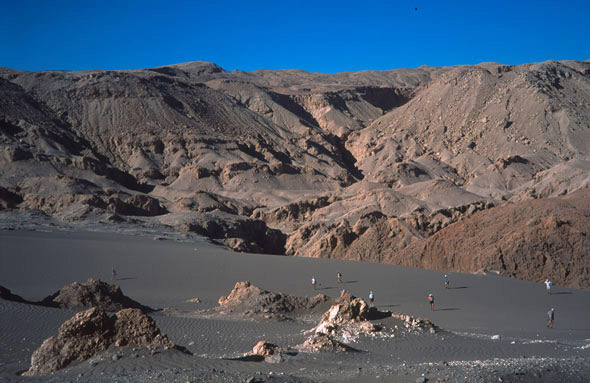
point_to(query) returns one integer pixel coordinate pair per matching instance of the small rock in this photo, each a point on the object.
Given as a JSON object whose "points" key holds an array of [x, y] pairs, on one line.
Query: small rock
{"points": [[115, 358], [496, 337], [276, 358]]}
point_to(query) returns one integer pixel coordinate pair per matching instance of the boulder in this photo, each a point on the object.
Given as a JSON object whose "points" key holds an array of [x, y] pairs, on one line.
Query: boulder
{"points": [[264, 348], [92, 331], [79, 338]]}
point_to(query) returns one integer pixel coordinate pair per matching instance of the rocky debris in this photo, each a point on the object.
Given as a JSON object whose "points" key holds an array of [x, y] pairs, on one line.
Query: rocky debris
{"points": [[264, 348], [320, 342], [92, 331], [92, 293], [416, 325], [535, 369], [250, 301]]}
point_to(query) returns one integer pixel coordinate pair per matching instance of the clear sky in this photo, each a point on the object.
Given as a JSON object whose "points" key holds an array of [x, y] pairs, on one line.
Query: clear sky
{"points": [[317, 36]]}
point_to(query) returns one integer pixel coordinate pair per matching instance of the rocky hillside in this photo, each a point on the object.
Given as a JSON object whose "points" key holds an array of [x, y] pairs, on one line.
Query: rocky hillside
{"points": [[373, 165]]}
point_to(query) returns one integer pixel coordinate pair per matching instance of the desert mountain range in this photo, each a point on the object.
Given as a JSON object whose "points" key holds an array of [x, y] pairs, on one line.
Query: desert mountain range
{"points": [[464, 168]]}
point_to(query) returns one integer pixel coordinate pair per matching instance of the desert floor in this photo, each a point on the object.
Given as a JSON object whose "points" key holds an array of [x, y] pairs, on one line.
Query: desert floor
{"points": [[168, 271]]}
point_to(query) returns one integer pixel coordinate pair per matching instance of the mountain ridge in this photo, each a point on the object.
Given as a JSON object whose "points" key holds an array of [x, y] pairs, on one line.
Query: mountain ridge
{"points": [[350, 165]]}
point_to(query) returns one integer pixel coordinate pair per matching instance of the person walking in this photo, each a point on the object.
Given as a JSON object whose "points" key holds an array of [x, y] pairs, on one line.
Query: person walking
{"points": [[114, 274], [314, 282], [447, 282], [548, 285], [431, 301], [339, 276], [550, 318], [371, 298]]}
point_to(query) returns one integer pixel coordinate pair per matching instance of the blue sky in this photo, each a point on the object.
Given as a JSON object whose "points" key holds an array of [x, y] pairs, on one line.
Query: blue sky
{"points": [[317, 36]]}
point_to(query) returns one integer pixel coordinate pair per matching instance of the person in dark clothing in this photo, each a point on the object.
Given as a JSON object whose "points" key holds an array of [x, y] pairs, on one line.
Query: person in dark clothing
{"points": [[550, 318]]}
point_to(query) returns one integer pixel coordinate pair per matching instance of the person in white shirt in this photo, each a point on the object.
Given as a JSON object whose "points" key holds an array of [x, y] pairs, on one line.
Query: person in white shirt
{"points": [[548, 284]]}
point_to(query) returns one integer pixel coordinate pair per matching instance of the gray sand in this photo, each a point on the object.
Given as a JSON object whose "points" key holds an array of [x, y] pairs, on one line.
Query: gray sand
{"points": [[167, 273]]}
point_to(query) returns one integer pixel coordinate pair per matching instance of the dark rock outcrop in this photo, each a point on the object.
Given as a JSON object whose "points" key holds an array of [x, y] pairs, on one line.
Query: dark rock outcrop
{"points": [[93, 293], [8, 199]]}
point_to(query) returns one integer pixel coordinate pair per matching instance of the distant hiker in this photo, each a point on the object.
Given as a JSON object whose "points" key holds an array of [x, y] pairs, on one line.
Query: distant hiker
{"points": [[371, 298], [313, 282], [114, 274], [446, 281], [550, 318], [548, 284], [339, 275], [431, 301]]}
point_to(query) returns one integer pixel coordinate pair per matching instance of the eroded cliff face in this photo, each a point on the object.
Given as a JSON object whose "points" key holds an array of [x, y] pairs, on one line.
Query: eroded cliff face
{"points": [[368, 165]]}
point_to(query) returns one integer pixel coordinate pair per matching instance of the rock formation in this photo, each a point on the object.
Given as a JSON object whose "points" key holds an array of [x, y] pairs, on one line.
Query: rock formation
{"points": [[320, 342], [93, 293], [366, 166], [264, 348], [250, 301], [348, 317], [92, 331], [416, 325], [533, 239]]}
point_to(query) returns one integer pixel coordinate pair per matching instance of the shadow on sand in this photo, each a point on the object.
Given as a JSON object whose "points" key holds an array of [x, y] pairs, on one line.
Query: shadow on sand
{"points": [[457, 288], [449, 309], [388, 305], [562, 293], [350, 282], [326, 288], [125, 278]]}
